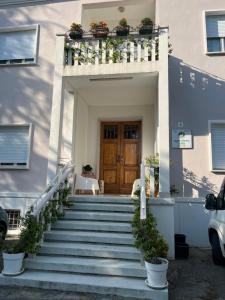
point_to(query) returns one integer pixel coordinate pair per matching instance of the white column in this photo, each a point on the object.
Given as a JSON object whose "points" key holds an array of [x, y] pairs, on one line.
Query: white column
{"points": [[163, 115], [57, 109]]}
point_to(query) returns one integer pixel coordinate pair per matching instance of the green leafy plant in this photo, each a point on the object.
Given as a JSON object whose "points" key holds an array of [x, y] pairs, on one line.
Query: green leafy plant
{"points": [[32, 229], [76, 27], [146, 22], [147, 237]]}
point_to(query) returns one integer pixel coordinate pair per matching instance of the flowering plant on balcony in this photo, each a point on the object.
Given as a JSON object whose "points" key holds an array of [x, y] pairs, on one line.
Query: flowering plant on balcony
{"points": [[146, 26], [100, 29], [76, 31], [123, 28]]}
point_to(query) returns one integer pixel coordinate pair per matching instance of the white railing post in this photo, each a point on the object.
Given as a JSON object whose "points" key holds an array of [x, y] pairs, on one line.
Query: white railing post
{"points": [[143, 193]]}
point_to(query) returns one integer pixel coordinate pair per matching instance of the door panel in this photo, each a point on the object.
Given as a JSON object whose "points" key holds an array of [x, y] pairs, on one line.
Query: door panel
{"points": [[120, 155]]}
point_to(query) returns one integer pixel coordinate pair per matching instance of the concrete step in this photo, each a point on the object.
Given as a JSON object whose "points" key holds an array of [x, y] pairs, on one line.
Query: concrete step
{"points": [[98, 216], [99, 266], [89, 250], [101, 199], [103, 207], [89, 237], [93, 225], [132, 288]]}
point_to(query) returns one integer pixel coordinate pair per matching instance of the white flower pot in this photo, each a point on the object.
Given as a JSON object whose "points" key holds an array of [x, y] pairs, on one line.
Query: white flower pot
{"points": [[12, 263], [156, 274]]}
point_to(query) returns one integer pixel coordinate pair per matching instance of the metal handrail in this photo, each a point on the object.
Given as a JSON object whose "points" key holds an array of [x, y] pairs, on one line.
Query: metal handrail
{"points": [[52, 187]]}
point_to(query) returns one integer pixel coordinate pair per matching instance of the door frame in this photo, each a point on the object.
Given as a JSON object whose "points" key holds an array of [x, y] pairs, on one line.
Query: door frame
{"points": [[105, 122]]}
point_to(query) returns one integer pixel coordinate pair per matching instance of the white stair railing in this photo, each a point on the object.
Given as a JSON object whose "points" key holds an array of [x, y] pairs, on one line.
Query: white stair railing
{"points": [[59, 180]]}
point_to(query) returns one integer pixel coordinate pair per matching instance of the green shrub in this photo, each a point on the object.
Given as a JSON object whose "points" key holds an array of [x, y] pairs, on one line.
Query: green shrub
{"points": [[147, 237]]}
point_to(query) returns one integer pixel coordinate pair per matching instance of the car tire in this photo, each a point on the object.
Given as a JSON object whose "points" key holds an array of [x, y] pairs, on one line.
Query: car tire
{"points": [[2, 231], [217, 254]]}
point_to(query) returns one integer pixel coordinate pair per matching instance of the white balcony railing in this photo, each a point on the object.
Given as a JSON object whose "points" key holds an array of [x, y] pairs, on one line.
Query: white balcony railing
{"points": [[94, 51]]}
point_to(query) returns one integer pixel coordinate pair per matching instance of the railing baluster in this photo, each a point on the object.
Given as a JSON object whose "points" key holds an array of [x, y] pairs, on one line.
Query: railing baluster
{"points": [[131, 51], [97, 52], [111, 50], [124, 51], [153, 48], [76, 54], [103, 52], [70, 53], [139, 57], [145, 45]]}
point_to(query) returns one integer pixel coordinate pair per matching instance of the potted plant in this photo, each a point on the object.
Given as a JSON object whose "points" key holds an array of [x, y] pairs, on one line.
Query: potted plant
{"points": [[123, 28], [100, 29], [28, 243], [152, 245], [12, 259], [76, 31], [146, 26]]}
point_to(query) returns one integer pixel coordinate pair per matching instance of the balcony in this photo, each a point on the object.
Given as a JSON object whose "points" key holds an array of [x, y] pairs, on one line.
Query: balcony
{"points": [[113, 49], [133, 53]]}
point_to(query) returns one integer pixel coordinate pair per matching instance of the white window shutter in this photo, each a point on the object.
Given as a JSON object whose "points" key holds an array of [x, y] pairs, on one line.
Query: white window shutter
{"points": [[14, 145], [215, 26], [218, 146], [18, 44]]}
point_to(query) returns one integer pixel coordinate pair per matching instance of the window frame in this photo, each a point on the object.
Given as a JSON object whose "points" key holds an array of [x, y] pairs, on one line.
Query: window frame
{"points": [[210, 123], [19, 167], [222, 39], [35, 27]]}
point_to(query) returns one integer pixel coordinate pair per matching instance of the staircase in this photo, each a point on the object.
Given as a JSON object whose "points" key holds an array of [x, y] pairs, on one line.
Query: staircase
{"points": [[90, 250]]}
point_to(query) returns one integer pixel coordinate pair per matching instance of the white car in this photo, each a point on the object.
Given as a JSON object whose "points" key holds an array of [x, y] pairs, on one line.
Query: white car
{"points": [[216, 229]]}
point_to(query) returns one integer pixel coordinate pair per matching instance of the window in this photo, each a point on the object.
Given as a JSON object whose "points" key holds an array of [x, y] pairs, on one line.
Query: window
{"points": [[14, 218], [18, 45], [215, 30], [15, 146], [218, 145]]}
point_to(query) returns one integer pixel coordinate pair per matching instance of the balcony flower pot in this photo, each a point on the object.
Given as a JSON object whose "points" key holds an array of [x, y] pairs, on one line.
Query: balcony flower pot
{"points": [[75, 35], [122, 31], [123, 28], [156, 273], [76, 31], [12, 263], [146, 26], [99, 30]]}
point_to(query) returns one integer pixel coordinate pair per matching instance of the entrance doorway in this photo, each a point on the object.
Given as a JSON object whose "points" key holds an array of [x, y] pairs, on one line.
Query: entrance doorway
{"points": [[120, 155]]}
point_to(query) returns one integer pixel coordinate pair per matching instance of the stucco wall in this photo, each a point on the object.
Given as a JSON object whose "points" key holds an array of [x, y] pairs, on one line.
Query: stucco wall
{"points": [[26, 92], [197, 90]]}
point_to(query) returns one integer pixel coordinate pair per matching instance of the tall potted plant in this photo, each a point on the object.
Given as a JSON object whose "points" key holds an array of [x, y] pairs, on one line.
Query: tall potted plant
{"points": [[123, 28], [100, 29], [152, 245], [146, 26], [28, 242], [76, 31]]}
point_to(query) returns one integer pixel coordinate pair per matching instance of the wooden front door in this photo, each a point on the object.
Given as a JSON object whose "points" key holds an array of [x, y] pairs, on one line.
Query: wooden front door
{"points": [[120, 155]]}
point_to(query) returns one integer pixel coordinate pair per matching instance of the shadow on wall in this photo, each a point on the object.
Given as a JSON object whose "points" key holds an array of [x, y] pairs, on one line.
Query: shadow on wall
{"points": [[26, 94], [195, 98]]}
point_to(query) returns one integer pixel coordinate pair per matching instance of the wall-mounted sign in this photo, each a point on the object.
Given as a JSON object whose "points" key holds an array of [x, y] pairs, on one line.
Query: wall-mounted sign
{"points": [[181, 138]]}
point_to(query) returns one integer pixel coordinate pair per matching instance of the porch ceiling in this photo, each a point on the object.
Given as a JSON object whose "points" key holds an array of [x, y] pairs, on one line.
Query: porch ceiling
{"points": [[109, 12], [113, 90]]}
